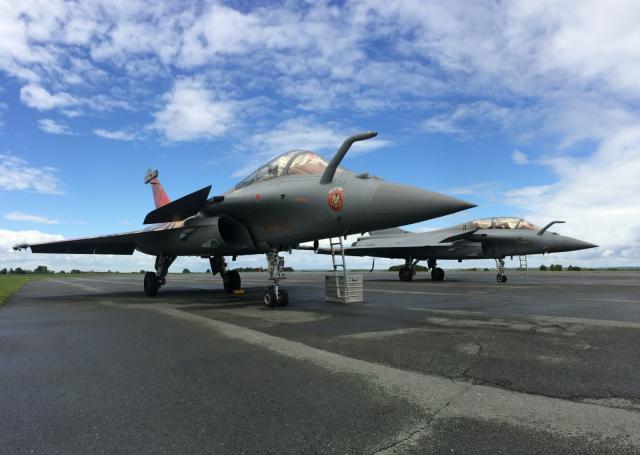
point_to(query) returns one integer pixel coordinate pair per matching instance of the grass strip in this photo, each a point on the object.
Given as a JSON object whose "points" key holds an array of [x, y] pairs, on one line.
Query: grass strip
{"points": [[10, 284]]}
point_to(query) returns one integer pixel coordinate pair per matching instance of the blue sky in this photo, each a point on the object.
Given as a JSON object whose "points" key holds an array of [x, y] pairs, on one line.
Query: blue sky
{"points": [[525, 109]]}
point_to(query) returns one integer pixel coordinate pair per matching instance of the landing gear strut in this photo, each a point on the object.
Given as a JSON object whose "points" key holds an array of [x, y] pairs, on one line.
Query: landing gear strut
{"points": [[437, 274], [155, 280], [500, 277], [230, 278], [406, 273], [273, 294]]}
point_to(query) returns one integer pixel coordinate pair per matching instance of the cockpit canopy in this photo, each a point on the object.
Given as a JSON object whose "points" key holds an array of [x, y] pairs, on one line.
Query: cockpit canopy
{"points": [[295, 162], [503, 223]]}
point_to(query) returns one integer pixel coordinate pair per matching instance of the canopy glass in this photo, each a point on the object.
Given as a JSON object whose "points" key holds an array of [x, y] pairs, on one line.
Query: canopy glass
{"points": [[503, 223], [296, 162]]}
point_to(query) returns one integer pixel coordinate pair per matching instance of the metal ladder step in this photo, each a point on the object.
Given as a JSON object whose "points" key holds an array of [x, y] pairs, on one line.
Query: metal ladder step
{"points": [[524, 270], [338, 260]]}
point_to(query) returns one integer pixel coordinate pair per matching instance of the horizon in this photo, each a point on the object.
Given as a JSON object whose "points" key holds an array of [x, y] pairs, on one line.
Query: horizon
{"points": [[522, 109]]}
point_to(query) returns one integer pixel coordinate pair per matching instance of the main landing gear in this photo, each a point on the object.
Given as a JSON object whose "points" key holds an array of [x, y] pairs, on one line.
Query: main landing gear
{"points": [[408, 271], [155, 280], [437, 274], [230, 278], [273, 294], [500, 277]]}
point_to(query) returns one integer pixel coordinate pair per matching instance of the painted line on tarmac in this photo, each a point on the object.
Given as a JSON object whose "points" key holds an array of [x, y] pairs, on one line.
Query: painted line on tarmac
{"points": [[446, 398]]}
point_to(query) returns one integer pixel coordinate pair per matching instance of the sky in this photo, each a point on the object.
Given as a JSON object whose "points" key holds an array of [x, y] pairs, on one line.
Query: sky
{"points": [[525, 108]]}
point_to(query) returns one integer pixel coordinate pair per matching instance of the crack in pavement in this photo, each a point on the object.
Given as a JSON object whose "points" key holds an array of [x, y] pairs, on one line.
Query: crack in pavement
{"points": [[445, 397]]}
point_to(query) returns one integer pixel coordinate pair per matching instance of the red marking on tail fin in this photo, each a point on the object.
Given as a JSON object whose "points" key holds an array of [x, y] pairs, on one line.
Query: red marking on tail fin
{"points": [[159, 196]]}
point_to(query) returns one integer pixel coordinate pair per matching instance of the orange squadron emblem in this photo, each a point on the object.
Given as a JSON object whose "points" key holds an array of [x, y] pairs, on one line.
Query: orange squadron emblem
{"points": [[336, 199]]}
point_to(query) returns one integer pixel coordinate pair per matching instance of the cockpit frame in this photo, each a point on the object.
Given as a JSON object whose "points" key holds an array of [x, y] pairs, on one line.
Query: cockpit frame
{"points": [[275, 167], [505, 222]]}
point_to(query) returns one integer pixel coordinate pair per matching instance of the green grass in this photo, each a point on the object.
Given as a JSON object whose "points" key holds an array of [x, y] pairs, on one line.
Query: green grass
{"points": [[10, 284]]}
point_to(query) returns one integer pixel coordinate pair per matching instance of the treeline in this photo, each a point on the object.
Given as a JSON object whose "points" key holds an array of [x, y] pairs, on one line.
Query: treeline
{"points": [[250, 269], [417, 268], [41, 270], [558, 268]]}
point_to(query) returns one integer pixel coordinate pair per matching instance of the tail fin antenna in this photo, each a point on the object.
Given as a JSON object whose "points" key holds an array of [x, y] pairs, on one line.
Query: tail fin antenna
{"points": [[159, 196]]}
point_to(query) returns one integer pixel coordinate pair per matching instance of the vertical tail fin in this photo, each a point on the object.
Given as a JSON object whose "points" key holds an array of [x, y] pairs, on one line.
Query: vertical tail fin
{"points": [[159, 196]]}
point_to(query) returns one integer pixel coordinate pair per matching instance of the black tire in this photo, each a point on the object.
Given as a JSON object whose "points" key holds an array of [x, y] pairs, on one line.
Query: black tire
{"points": [[150, 284], [437, 274], [232, 281], [270, 298], [405, 274], [501, 278], [283, 297]]}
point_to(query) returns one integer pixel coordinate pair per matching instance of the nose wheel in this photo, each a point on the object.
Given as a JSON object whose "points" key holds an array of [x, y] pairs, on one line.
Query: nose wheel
{"points": [[500, 277], [273, 298]]}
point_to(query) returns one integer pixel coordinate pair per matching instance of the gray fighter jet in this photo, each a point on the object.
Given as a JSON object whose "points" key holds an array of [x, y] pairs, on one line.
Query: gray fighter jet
{"points": [[297, 197], [488, 238]]}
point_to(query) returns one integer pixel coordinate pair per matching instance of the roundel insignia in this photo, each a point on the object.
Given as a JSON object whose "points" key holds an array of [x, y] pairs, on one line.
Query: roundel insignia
{"points": [[336, 199]]}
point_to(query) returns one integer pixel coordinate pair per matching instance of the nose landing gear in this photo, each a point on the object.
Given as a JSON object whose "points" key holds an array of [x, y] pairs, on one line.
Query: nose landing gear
{"points": [[500, 277], [273, 294]]}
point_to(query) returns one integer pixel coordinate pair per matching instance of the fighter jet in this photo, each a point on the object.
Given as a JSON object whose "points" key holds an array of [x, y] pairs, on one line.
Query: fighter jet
{"points": [[488, 238], [296, 197]]}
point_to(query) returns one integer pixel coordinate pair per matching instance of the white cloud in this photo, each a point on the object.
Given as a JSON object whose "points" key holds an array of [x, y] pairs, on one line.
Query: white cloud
{"points": [[597, 196], [27, 260], [20, 216], [564, 72], [520, 157], [116, 135], [39, 98], [470, 118], [192, 112], [18, 174], [51, 126], [302, 134]]}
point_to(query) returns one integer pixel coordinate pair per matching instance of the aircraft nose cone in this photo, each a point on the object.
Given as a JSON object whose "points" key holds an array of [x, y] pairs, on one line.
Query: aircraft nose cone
{"points": [[409, 204], [571, 244]]}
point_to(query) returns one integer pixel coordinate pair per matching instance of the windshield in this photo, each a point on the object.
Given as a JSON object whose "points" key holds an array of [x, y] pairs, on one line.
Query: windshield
{"points": [[296, 162], [503, 223]]}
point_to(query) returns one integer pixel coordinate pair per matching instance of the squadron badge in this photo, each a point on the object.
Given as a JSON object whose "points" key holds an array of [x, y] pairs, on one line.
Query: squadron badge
{"points": [[336, 199]]}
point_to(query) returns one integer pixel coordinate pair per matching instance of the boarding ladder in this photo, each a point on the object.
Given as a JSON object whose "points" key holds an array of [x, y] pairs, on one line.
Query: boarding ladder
{"points": [[339, 262], [524, 271]]}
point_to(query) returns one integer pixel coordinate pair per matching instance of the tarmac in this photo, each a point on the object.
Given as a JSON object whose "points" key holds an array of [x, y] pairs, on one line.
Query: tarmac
{"points": [[547, 363]]}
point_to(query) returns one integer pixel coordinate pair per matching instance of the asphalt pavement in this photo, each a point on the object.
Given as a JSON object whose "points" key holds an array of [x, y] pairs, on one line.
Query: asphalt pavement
{"points": [[547, 363]]}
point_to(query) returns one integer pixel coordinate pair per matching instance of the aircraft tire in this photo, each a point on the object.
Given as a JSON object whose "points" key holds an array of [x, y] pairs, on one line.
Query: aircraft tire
{"points": [[233, 281], [405, 274], [270, 298], [283, 297], [150, 284], [501, 278], [437, 274]]}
